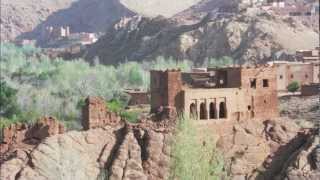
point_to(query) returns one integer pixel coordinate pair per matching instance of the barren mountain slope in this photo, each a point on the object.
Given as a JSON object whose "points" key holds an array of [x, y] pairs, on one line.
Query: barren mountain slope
{"points": [[85, 16], [249, 37], [19, 16]]}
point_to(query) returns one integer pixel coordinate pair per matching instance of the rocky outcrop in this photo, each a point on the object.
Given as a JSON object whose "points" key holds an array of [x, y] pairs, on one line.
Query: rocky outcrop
{"points": [[123, 151], [128, 162], [304, 163], [252, 150], [69, 156], [258, 149], [17, 135]]}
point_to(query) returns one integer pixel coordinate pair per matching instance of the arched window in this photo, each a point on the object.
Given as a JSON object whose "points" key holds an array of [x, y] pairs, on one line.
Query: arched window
{"points": [[222, 110], [193, 111], [203, 111], [213, 111]]}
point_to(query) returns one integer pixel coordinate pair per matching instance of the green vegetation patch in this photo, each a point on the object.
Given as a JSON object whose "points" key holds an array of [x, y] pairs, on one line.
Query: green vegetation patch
{"points": [[118, 106], [194, 157], [293, 87]]}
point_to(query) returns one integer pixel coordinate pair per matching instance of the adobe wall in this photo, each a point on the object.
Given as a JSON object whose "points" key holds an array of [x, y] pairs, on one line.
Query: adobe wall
{"points": [[316, 73], [302, 73], [95, 114], [16, 134], [235, 104], [262, 97], [165, 89], [310, 90], [157, 89], [174, 89]]}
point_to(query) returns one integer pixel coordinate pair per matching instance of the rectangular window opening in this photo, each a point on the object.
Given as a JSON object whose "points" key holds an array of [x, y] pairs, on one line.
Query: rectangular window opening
{"points": [[253, 83], [265, 83]]}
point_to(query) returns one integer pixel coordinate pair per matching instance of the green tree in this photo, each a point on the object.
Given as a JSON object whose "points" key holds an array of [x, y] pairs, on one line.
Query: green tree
{"points": [[293, 87], [8, 101]]}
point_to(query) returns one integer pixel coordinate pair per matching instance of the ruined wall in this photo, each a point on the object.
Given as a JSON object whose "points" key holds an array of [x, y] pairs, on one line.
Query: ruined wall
{"points": [[166, 89], [231, 75], [157, 89], [95, 114], [173, 89], [260, 91], [16, 134]]}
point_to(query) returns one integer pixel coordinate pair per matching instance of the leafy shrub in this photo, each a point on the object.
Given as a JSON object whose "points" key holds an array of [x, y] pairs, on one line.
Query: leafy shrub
{"points": [[193, 158], [115, 105], [293, 87], [129, 116], [118, 106], [8, 101]]}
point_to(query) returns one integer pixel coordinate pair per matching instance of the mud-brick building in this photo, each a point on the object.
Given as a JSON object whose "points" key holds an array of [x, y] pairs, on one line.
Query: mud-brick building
{"points": [[302, 72], [226, 93]]}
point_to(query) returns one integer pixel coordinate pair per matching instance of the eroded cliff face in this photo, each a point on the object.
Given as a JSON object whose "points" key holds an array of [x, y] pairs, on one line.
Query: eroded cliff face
{"points": [[304, 163], [123, 151], [251, 36], [252, 150]]}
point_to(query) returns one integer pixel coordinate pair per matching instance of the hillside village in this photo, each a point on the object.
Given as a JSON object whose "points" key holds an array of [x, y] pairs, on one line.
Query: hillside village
{"points": [[233, 88]]}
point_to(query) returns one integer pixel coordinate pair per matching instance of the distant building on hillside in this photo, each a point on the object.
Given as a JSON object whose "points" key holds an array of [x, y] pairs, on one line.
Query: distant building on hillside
{"points": [[25, 42], [306, 12], [53, 33], [309, 55], [301, 72], [84, 38]]}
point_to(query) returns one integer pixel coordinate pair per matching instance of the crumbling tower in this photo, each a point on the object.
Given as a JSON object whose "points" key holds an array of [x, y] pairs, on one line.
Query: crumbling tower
{"points": [[166, 90], [95, 114]]}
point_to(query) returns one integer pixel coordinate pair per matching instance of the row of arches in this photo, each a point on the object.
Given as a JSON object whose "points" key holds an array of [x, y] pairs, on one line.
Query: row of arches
{"points": [[212, 113]]}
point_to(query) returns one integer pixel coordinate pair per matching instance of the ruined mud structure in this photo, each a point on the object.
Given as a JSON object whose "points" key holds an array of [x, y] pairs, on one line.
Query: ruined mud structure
{"points": [[95, 114], [233, 93], [19, 135]]}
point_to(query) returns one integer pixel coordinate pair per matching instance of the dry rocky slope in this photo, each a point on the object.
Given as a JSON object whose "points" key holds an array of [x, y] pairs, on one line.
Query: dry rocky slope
{"points": [[20, 16], [26, 18], [254, 149], [249, 36]]}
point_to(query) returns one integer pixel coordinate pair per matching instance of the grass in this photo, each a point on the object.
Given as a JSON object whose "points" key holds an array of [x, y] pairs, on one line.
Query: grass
{"points": [[194, 157]]}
